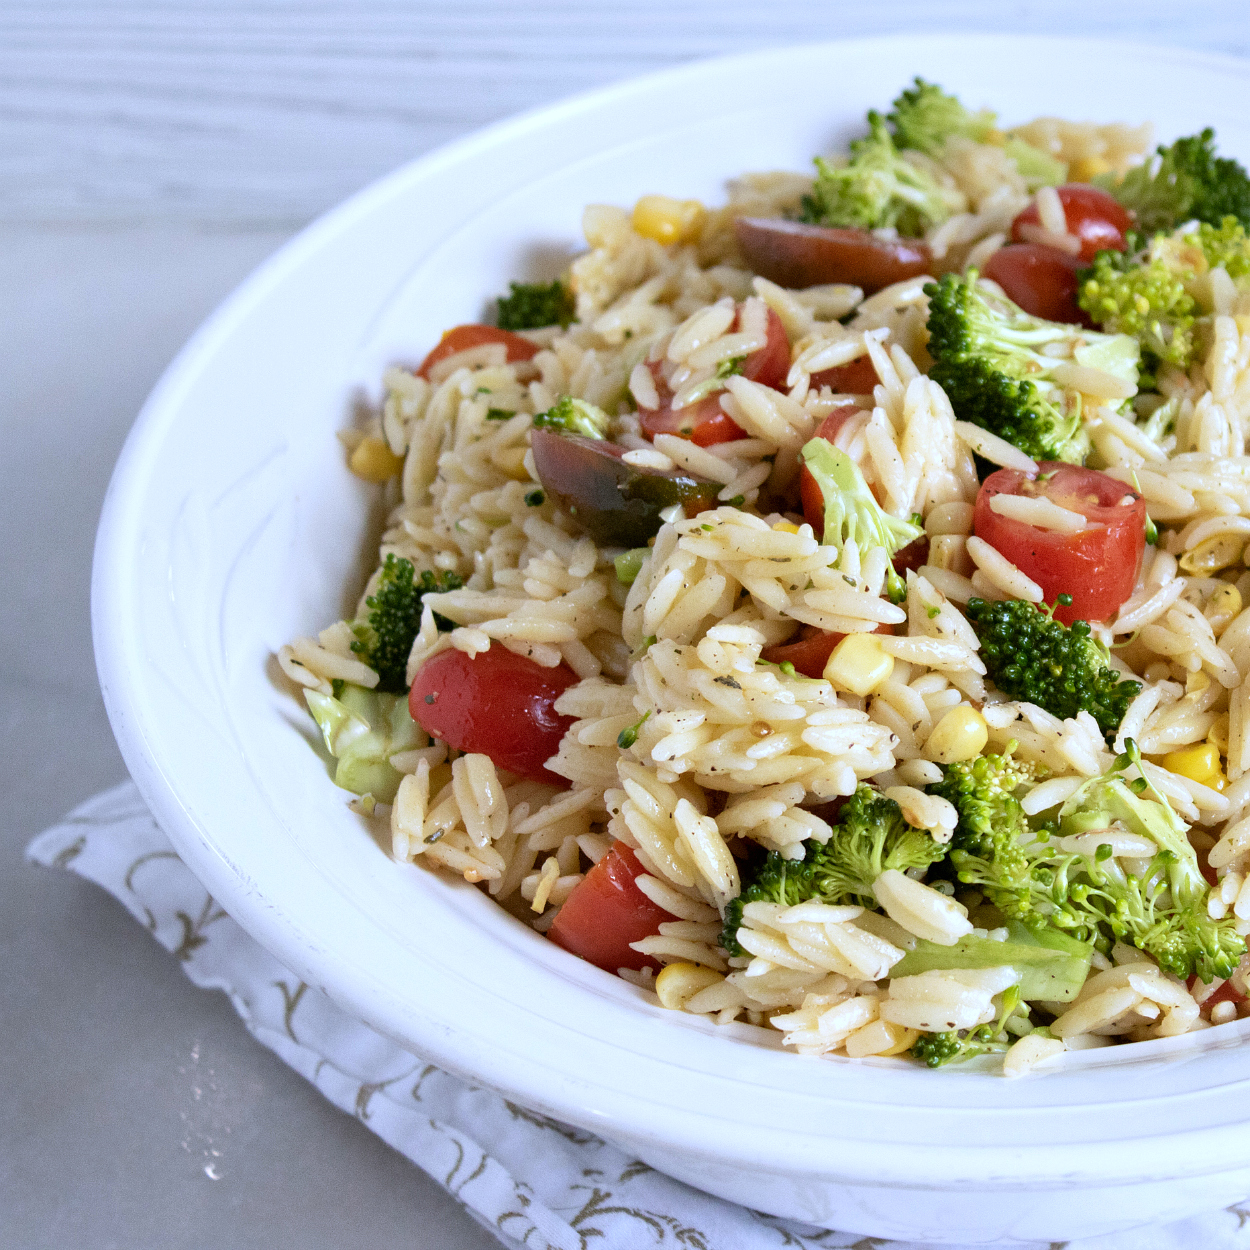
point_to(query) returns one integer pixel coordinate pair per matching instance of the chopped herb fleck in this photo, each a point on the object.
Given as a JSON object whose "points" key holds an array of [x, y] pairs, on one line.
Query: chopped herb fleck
{"points": [[499, 414], [728, 368], [534, 498], [727, 681]]}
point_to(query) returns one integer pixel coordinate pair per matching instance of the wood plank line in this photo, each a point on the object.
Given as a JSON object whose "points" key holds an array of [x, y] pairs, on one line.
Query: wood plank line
{"points": [[236, 111]]}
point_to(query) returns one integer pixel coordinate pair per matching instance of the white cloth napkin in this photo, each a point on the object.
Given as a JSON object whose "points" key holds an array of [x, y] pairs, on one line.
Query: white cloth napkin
{"points": [[533, 1182]]}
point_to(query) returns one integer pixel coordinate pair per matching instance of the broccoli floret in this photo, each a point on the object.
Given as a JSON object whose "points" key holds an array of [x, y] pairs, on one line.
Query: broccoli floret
{"points": [[988, 843], [1183, 182], [1225, 245], [1032, 657], [988, 359], [870, 837], [1028, 876], [1144, 296], [935, 1050], [575, 416], [852, 512], [1178, 931], [924, 117], [385, 634], [531, 306], [876, 188]]}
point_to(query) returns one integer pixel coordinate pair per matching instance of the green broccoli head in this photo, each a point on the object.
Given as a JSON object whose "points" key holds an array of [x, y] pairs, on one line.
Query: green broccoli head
{"points": [[1032, 657], [575, 416], [876, 188], [1144, 296], [1225, 246], [870, 837], [384, 636], [1029, 876], [531, 306], [988, 846], [1175, 928], [924, 117], [852, 511], [1183, 182], [935, 1050], [988, 358]]}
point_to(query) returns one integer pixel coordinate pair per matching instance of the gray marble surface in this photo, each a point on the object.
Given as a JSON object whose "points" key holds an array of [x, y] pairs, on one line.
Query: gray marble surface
{"points": [[153, 152]]}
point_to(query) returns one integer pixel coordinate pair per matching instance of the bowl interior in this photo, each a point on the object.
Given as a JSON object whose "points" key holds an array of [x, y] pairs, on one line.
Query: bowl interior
{"points": [[232, 525]]}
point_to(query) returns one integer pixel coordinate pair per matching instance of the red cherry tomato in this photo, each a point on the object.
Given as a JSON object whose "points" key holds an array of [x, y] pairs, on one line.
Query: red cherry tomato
{"points": [[810, 652], [793, 254], [705, 422], [1098, 219], [1227, 993], [1042, 280], [606, 912], [809, 493], [462, 338], [1098, 566], [496, 703], [857, 378]]}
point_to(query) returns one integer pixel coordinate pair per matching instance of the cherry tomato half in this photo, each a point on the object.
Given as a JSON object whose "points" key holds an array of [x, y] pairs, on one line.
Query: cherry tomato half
{"points": [[1041, 279], [705, 422], [606, 912], [793, 254], [1097, 566], [1227, 993], [461, 338], [1097, 218], [495, 703], [857, 378]]}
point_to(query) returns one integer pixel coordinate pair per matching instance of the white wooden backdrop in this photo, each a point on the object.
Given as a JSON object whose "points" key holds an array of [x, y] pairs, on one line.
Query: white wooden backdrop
{"points": [[251, 113]]}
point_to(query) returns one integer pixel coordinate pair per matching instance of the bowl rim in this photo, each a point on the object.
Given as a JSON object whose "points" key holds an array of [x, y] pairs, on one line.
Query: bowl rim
{"points": [[589, 1100]]}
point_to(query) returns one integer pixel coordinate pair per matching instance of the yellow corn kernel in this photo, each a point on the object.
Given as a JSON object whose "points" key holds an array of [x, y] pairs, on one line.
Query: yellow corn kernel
{"points": [[960, 735], [1200, 762], [858, 664], [1086, 168], [1196, 683], [881, 1037], [374, 460], [786, 527], [1218, 783], [1217, 735], [1214, 554], [666, 220], [1222, 608], [679, 983]]}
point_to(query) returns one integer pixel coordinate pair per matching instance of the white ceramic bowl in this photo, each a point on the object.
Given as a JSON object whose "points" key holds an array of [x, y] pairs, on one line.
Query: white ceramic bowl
{"points": [[231, 525]]}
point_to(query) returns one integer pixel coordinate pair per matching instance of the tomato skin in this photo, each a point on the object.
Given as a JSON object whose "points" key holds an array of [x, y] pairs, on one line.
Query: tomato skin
{"points": [[769, 364], [705, 423], [495, 703], [857, 378], [461, 338], [606, 912], [1227, 993], [1041, 279], [795, 255], [1097, 567], [1097, 218], [810, 652]]}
